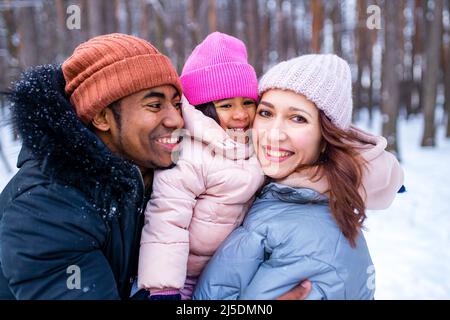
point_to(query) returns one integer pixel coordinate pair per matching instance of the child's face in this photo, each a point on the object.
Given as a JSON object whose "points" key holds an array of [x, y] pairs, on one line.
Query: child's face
{"points": [[236, 116]]}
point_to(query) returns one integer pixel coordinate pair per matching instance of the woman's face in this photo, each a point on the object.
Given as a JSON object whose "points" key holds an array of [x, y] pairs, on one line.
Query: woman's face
{"points": [[286, 132], [236, 116]]}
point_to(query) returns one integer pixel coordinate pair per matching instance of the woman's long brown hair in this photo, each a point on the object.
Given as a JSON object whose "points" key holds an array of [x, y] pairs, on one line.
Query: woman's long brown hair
{"points": [[342, 166]]}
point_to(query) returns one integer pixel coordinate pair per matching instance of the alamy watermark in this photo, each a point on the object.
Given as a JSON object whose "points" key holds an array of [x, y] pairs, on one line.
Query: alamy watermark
{"points": [[374, 19], [74, 280], [73, 21], [371, 279]]}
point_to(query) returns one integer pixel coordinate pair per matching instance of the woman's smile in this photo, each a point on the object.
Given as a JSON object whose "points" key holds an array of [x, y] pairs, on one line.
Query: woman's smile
{"points": [[276, 154]]}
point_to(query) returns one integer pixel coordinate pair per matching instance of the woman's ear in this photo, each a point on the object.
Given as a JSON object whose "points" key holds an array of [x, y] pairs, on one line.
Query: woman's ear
{"points": [[102, 120]]}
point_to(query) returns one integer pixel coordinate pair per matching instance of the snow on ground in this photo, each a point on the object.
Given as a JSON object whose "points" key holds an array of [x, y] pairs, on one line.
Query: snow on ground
{"points": [[410, 241]]}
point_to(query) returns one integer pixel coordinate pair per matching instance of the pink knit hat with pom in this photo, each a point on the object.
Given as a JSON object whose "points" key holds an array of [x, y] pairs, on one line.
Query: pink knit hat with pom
{"points": [[218, 69]]}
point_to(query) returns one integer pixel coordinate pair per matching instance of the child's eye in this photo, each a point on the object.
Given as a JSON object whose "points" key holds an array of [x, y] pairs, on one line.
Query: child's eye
{"points": [[264, 113], [225, 106], [249, 103], [299, 119], [178, 105]]}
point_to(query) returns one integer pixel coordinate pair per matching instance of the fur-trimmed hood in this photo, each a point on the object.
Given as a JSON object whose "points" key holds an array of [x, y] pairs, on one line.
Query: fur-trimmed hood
{"points": [[66, 149]]}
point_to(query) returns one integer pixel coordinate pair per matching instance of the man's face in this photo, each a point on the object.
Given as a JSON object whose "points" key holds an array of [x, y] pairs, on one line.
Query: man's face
{"points": [[142, 133]]}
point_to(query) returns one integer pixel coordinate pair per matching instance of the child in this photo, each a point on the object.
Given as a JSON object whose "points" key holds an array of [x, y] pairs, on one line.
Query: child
{"points": [[302, 135], [199, 202]]}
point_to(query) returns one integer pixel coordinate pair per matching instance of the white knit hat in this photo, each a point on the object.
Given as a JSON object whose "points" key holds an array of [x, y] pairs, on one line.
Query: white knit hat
{"points": [[324, 79]]}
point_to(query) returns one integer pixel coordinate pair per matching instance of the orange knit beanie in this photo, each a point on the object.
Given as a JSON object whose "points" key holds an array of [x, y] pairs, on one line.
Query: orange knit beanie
{"points": [[110, 67]]}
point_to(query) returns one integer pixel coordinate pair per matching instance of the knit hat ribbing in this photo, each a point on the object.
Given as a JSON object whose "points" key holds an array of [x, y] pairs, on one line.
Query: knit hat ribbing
{"points": [[324, 79], [218, 69], [110, 67]]}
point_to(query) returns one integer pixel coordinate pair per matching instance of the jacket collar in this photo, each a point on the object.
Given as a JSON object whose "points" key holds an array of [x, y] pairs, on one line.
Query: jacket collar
{"points": [[285, 193]]}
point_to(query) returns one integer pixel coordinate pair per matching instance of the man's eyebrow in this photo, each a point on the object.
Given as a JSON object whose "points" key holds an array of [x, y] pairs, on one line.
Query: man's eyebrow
{"points": [[154, 94]]}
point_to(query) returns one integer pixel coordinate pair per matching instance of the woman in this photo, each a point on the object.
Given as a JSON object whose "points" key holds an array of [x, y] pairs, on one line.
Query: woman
{"points": [[302, 133]]}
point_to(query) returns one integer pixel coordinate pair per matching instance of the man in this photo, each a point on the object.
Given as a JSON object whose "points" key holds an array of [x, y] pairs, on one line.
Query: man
{"points": [[93, 131]]}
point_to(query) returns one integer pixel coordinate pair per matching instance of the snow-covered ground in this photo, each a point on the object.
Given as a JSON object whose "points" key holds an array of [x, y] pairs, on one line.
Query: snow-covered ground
{"points": [[409, 242]]}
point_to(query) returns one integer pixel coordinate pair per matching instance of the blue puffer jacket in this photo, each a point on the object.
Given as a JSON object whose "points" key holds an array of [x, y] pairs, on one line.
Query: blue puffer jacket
{"points": [[288, 235]]}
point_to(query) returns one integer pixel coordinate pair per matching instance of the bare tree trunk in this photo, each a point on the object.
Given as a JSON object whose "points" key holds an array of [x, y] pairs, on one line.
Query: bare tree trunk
{"points": [[370, 103], [390, 77], [281, 33], [231, 20], [432, 74], [12, 48], [13, 66], [294, 44], [102, 16], [408, 69], [417, 56], [401, 49], [144, 28], [160, 31], [3, 77], [317, 25], [96, 22], [446, 62], [239, 23], [425, 39], [361, 60], [193, 25], [28, 47], [110, 12], [446, 53], [212, 16], [84, 32], [62, 44], [46, 33], [252, 29], [264, 41], [336, 18], [305, 40], [4, 158], [129, 17], [3, 84], [179, 34]]}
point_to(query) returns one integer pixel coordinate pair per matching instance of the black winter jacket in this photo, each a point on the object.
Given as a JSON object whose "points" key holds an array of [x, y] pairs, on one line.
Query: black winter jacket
{"points": [[71, 218]]}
